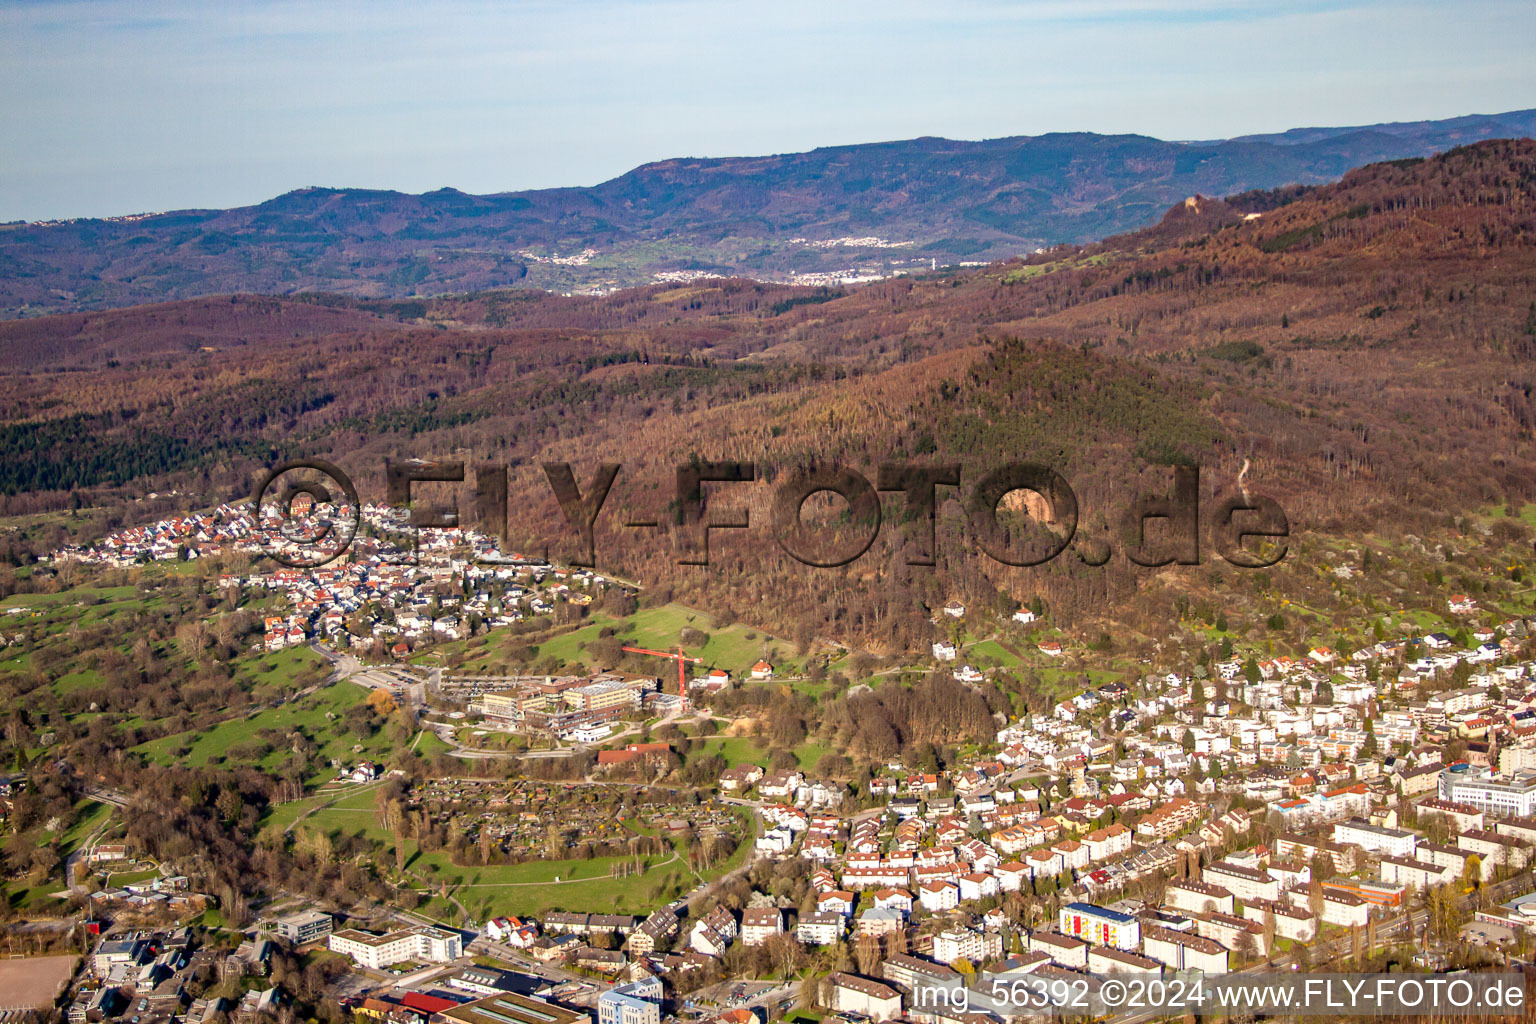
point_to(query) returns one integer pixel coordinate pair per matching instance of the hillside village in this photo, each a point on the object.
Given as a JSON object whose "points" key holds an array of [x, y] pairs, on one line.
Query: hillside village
{"points": [[384, 596]]}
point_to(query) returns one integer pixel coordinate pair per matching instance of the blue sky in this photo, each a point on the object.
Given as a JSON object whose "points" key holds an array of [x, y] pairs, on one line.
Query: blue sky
{"points": [[117, 107]]}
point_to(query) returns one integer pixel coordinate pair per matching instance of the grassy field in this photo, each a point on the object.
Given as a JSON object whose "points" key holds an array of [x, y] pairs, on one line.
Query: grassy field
{"points": [[737, 750], [129, 877], [318, 715], [744, 750], [127, 611], [485, 890], [988, 653], [92, 815], [735, 648]]}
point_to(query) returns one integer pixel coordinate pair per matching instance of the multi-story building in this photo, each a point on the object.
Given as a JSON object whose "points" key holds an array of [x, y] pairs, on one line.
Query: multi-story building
{"points": [[974, 946], [911, 971], [654, 931], [1290, 922], [821, 928], [1169, 819], [503, 707], [1460, 816], [852, 994], [1107, 842], [638, 1002], [1109, 960], [1184, 952], [303, 927], [759, 924], [939, 896], [1417, 874], [432, 945], [1100, 925], [604, 698], [1242, 881], [1063, 949], [1197, 897], [1500, 796], [1232, 932], [1391, 842], [1495, 848]]}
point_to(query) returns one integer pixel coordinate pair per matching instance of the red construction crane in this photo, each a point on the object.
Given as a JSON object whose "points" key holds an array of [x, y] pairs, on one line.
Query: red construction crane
{"points": [[681, 659]]}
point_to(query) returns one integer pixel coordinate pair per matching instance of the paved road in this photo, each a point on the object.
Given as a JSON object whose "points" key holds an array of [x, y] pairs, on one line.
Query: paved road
{"points": [[551, 973]]}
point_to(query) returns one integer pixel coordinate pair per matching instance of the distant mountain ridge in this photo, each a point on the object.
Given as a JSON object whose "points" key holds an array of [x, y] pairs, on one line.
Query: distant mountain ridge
{"points": [[830, 214]]}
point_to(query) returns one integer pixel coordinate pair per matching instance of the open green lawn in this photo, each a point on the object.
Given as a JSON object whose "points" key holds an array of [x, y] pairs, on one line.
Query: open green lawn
{"points": [[430, 743], [528, 888], [281, 816], [744, 750], [28, 897], [636, 894], [92, 816], [82, 679], [737, 750], [272, 674], [118, 878], [989, 653], [727, 648]]}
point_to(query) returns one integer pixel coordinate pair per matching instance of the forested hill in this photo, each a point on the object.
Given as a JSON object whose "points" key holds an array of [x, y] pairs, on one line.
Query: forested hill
{"points": [[871, 210], [1366, 348]]}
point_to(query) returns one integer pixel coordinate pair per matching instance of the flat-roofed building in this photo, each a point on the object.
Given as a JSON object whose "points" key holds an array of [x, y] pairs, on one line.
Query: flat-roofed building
{"points": [[821, 928], [1378, 894], [1501, 796], [510, 1008], [964, 943], [304, 926], [1100, 926], [504, 706], [426, 944]]}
